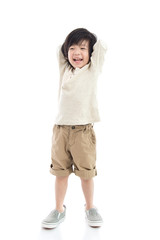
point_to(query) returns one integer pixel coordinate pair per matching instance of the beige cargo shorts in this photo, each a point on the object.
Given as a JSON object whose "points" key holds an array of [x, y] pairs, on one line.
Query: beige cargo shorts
{"points": [[73, 150]]}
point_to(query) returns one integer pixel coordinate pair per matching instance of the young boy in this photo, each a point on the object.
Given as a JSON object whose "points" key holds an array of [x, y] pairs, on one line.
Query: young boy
{"points": [[74, 142]]}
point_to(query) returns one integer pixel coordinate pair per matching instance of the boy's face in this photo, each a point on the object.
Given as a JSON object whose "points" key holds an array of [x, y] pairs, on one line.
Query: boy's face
{"points": [[78, 55]]}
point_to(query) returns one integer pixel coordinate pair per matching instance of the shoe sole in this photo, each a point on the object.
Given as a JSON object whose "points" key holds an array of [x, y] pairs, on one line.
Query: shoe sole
{"points": [[49, 226], [94, 224]]}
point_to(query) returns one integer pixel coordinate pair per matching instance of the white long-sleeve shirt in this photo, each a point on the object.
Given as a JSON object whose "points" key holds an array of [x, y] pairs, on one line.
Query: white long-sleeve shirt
{"points": [[77, 103]]}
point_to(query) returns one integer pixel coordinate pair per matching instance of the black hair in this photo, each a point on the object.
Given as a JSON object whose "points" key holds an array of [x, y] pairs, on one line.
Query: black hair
{"points": [[76, 37]]}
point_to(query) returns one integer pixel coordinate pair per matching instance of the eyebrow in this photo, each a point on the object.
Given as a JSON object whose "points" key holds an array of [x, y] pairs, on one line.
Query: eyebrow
{"points": [[83, 44]]}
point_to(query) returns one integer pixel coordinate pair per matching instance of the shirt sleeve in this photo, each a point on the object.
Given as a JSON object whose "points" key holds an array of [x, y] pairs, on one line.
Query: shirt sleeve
{"points": [[62, 62], [98, 55]]}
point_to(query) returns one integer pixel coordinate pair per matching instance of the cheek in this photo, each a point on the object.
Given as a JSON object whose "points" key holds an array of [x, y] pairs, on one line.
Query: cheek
{"points": [[87, 57], [69, 56]]}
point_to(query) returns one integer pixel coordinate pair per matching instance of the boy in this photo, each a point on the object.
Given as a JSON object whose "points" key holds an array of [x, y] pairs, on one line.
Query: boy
{"points": [[74, 142]]}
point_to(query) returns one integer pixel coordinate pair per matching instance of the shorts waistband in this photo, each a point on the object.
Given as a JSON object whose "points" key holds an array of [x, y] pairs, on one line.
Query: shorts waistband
{"points": [[86, 126]]}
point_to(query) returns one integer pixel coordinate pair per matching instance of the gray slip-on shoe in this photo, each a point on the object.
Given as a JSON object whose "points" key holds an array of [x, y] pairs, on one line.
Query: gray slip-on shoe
{"points": [[54, 219], [93, 218]]}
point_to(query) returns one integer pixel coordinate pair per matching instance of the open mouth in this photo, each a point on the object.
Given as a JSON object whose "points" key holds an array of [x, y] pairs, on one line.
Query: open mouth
{"points": [[77, 60]]}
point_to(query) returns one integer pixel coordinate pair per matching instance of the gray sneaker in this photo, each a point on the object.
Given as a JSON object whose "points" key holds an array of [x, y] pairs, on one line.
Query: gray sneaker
{"points": [[94, 219], [54, 219]]}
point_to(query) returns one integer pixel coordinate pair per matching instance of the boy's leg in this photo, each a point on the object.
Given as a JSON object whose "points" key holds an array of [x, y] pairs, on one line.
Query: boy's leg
{"points": [[93, 217], [61, 184], [88, 190]]}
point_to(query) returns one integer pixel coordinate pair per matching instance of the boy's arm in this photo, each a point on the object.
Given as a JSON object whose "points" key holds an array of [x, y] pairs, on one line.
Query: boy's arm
{"points": [[98, 54], [62, 62], [62, 66]]}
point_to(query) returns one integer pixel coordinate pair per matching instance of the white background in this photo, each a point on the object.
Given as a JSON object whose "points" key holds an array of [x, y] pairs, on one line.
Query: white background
{"points": [[128, 136]]}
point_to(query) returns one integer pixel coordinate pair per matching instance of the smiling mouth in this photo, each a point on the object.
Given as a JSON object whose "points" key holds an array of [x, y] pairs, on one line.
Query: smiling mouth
{"points": [[77, 59]]}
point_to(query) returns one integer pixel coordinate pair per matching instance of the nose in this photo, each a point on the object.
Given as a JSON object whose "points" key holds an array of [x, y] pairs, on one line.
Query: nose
{"points": [[76, 52]]}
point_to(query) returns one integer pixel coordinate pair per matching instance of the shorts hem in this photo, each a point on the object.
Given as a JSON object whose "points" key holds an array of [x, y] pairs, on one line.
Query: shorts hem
{"points": [[61, 173], [86, 174]]}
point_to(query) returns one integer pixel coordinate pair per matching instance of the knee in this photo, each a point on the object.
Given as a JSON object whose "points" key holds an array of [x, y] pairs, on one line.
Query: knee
{"points": [[62, 179], [83, 180]]}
